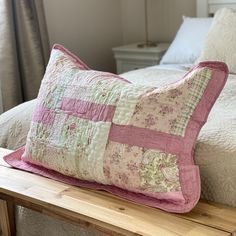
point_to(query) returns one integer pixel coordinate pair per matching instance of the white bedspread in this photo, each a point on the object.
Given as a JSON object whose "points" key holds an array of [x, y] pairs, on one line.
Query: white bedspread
{"points": [[215, 150]]}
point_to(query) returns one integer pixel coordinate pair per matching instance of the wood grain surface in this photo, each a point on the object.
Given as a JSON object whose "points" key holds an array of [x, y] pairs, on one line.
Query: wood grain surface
{"points": [[107, 213]]}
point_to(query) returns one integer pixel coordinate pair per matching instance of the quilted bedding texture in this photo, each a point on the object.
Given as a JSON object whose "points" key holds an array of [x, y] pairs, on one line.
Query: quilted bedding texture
{"points": [[216, 146]]}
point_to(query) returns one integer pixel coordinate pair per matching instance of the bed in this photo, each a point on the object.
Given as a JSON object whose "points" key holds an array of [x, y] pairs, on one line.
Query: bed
{"points": [[215, 151]]}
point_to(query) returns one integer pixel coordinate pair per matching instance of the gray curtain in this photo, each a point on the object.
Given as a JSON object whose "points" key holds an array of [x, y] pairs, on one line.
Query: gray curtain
{"points": [[24, 50]]}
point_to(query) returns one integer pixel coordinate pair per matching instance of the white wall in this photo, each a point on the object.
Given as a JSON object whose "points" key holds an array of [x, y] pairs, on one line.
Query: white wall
{"points": [[165, 17], [90, 28]]}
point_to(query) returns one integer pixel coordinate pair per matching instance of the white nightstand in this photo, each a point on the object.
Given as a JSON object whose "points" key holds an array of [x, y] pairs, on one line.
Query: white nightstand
{"points": [[131, 57]]}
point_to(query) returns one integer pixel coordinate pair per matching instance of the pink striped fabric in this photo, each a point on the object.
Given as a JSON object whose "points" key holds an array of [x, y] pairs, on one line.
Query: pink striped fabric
{"points": [[88, 110], [43, 115]]}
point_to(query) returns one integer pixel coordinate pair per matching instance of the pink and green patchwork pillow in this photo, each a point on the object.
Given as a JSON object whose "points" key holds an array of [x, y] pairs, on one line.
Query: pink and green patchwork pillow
{"points": [[95, 129]]}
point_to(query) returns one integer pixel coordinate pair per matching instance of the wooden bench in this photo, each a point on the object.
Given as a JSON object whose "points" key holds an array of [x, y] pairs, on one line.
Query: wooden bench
{"points": [[103, 211]]}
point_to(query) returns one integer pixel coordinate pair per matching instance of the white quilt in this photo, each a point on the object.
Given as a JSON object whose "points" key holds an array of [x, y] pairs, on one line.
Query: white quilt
{"points": [[215, 150]]}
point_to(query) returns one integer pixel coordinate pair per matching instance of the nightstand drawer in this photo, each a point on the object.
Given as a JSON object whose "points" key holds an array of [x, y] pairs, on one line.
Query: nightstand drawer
{"points": [[125, 66], [132, 57]]}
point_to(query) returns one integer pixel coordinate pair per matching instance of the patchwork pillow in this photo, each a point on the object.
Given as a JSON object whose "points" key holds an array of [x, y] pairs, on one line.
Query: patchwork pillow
{"points": [[95, 129]]}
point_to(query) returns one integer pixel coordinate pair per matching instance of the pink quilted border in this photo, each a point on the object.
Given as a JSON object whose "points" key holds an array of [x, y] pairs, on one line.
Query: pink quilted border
{"points": [[189, 173], [14, 159], [71, 55], [80, 63]]}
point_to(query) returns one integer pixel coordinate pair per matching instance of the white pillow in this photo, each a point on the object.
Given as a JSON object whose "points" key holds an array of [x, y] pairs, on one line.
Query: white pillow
{"points": [[221, 41], [188, 42]]}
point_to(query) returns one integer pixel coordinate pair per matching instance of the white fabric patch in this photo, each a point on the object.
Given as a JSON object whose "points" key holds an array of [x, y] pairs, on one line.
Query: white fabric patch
{"points": [[127, 103]]}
